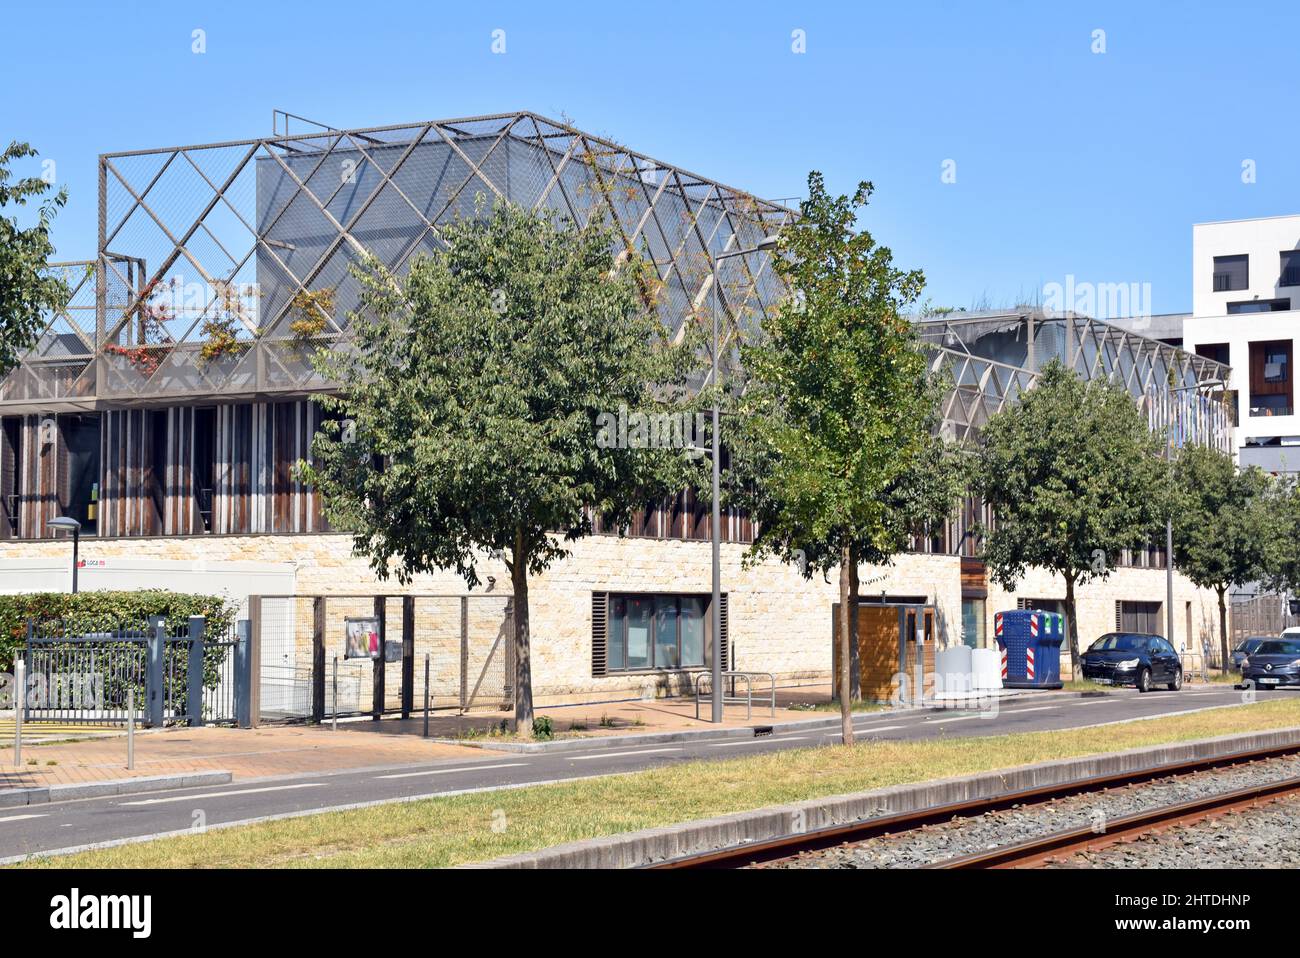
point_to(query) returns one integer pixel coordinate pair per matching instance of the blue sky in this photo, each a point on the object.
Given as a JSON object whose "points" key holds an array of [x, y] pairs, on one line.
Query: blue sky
{"points": [[1068, 162]]}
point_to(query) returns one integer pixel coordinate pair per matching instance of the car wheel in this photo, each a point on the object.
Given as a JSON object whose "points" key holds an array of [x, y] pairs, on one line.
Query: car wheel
{"points": [[1144, 681], [1177, 683]]}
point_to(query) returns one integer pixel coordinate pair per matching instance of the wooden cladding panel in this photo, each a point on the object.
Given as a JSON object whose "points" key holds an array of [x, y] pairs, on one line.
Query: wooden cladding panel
{"points": [[42, 474], [133, 479], [10, 454], [256, 446]]}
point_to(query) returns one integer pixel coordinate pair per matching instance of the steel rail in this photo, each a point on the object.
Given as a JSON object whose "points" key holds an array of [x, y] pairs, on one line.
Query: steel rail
{"points": [[1037, 851], [788, 846]]}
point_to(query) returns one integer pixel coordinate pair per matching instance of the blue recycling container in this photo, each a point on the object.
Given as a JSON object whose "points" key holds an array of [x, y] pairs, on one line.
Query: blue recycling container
{"points": [[1030, 643]]}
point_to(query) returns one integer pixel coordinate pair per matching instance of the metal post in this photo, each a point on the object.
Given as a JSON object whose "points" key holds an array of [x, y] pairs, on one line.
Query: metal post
{"points": [[20, 705], [155, 644], [377, 701], [408, 655], [76, 542], [334, 705], [426, 694], [318, 659], [1169, 577], [243, 674], [130, 728], [194, 672], [716, 525]]}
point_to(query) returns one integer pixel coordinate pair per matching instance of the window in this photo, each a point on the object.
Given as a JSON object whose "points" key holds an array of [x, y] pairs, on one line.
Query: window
{"points": [[81, 438], [1142, 617], [655, 632], [972, 623], [1218, 352], [205, 463], [1259, 306], [1289, 274], [1270, 378], [1231, 272]]}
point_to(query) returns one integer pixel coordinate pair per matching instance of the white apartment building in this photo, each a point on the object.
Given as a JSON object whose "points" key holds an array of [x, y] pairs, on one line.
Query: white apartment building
{"points": [[1246, 314]]}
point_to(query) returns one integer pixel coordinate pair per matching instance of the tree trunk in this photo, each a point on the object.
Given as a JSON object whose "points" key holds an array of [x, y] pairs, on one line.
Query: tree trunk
{"points": [[523, 667], [855, 659], [1074, 626], [847, 615], [1223, 629]]}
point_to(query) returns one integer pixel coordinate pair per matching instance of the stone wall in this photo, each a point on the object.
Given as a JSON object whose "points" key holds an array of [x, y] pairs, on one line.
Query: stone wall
{"points": [[779, 622]]}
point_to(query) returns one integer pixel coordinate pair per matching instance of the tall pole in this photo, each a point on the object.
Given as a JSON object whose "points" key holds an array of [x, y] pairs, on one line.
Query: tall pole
{"points": [[1169, 577], [76, 541], [716, 525]]}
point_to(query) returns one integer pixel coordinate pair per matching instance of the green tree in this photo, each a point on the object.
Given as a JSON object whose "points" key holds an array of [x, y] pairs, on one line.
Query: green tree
{"points": [[838, 410], [467, 417], [1224, 522], [27, 289], [1074, 476]]}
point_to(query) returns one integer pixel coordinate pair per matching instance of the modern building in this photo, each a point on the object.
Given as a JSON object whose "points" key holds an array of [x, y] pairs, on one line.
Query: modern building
{"points": [[1245, 298], [165, 406]]}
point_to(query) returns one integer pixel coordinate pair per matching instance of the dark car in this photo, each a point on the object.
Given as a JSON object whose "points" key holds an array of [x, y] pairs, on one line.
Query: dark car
{"points": [[1133, 658], [1274, 663], [1244, 648]]}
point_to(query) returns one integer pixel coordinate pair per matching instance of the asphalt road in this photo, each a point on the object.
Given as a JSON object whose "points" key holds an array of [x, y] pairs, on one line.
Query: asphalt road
{"points": [[73, 824]]}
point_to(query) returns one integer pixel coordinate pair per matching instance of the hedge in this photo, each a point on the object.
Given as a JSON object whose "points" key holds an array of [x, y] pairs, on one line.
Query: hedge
{"points": [[106, 610]]}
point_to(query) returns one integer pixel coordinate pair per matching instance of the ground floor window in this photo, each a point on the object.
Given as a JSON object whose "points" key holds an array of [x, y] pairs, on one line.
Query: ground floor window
{"points": [[972, 623], [1138, 617], [656, 632]]}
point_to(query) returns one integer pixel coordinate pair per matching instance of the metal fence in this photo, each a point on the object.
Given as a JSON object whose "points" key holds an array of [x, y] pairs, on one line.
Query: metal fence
{"points": [[305, 671], [84, 672]]}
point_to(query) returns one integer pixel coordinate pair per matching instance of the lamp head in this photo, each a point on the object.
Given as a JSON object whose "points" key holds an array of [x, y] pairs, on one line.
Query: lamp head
{"points": [[64, 523]]}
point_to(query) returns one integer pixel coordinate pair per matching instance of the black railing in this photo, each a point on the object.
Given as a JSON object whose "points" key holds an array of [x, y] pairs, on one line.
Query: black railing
{"points": [[87, 673]]}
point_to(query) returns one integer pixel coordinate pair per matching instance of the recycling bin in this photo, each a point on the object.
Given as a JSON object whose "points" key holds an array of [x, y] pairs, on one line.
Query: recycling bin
{"points": [[1029, 642]]}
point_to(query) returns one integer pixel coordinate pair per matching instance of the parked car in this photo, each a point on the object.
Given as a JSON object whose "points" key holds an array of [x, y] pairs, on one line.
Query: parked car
{"points": [[1133, 658], [1244, 648], [1275, 663]]}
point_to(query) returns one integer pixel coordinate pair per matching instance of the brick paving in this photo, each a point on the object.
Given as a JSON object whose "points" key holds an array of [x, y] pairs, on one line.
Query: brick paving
{"points": [[246, 753]]}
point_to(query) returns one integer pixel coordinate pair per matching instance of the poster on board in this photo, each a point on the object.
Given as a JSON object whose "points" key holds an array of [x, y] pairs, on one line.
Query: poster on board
{"points": [[361, 637]]}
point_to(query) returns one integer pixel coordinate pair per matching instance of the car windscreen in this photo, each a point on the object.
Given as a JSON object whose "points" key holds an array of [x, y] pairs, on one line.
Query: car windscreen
{"points": [[1117, 642], [1279, 647]]}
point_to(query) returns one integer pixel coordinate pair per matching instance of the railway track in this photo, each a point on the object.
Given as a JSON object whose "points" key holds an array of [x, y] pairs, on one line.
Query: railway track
{"points": [[1032, 852]]}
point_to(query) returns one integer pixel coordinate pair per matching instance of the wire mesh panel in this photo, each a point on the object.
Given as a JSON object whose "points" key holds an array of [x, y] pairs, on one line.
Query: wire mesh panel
{"points": [[285, 675], [222, 267]]}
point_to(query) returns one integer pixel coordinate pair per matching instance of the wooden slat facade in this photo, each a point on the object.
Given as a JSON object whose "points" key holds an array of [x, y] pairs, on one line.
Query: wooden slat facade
{"points": [[177, 471], [42, 474]]}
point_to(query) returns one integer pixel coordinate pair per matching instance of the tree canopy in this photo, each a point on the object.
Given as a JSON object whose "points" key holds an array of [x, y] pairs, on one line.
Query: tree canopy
{"points": [[27, 288], [468, 421], [1074, 475], [840, 460], [1223, 525]]}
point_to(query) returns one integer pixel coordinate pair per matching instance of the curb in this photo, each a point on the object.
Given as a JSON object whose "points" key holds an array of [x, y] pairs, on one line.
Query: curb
{"points": [[832, 721], [44, 794], [635, 849]]}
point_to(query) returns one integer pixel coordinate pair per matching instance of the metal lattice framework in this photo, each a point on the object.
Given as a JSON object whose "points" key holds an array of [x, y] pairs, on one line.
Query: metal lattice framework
{"points": [[994, 358], [222, 267]]}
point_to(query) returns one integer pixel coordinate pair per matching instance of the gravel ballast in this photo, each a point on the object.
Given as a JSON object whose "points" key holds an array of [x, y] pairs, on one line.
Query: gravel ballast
{"points": [[966, 836]]}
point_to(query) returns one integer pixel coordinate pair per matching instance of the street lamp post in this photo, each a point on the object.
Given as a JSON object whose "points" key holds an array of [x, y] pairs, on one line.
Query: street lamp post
{"points": [[68, 524], [1205, 384], [767, 243]]}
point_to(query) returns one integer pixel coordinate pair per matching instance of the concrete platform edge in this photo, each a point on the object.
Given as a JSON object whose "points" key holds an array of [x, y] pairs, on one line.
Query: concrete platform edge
{"points": [[646, 847]]}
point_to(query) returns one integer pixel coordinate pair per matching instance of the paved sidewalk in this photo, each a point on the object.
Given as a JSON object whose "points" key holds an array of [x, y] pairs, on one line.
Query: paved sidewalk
{"points": [[246, 753]]}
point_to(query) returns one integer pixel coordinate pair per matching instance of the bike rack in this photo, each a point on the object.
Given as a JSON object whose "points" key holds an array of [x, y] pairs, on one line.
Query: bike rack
{"points": [[733, 699]]}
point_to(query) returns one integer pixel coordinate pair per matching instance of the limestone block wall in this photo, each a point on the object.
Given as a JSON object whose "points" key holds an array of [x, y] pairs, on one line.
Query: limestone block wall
{"points": [[779, 621], [1095, 603]]}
